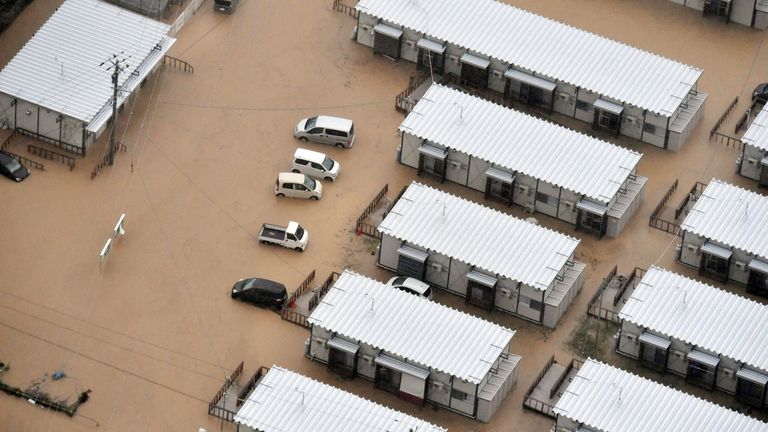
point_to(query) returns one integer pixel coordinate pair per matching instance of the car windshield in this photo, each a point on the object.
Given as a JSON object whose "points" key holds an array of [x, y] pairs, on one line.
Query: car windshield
{"points": [[13, 165], [327, 163], [428, 292], [399, 280], [309, 183], [299, 232], [311, 122]]}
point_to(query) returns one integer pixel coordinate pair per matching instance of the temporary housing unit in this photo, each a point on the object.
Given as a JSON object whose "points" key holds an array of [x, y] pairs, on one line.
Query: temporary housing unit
{"points": [[753, 162], [284, 401], [751, 13], [151, 8], [493, 260], [713, 338], [542, 62], [725, 236], [520, 159], [59, 86], [603, 398], [413, 347]]}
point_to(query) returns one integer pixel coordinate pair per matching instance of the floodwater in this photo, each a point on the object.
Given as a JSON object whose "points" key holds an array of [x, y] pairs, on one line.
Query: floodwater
{"points": [[153, 332]]}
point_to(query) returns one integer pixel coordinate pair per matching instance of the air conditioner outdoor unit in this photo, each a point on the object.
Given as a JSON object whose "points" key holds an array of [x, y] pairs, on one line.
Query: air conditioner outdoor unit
{"points": [[563, 96], [568, 204], [741, 265], [453, 58], [367, 359], [693, 248], [409, 43], [631, 119], [437, 385], [629, 336], [455, 164], [320, 340], [497, 74], [505, 292], [437, 267], [728, 372], [679, 354], [524, 189], [751, 161]]}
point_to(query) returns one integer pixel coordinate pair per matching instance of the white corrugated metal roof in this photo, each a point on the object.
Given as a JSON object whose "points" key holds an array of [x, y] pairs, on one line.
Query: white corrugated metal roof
{"points": [[731, 215], [546, 47], [284, 401], [421, 331], [757, 133], [479, 236], [79, 36], [607, 398], [700, 315], [520, 142]]}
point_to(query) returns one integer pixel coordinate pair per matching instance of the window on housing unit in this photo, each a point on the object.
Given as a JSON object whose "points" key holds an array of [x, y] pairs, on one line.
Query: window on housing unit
{"points": [[653, 356], [583, 105], [546, 199], [388, 379], [458, 394], [531, 303], [608, 120], [593, 222], [714, 265], [649, 128]]}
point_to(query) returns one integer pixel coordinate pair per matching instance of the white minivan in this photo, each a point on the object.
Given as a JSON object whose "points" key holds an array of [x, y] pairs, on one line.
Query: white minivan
{"points": [[315, 164], [336, 131], [411, 286], [298, 186]]}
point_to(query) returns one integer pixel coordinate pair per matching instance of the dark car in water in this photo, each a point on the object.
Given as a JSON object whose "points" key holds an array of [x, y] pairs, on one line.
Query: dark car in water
{"points": [[261, 292], [12, 168], [761, 93]]}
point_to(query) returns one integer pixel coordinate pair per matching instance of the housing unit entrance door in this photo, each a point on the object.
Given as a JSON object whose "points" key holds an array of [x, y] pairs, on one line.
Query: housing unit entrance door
{"points": [[474, 71], [591, 217], [432, 161], [386, 41], [607, 115], [499, 184], [481, 290], [431, 57], [702, 369], [654, 350], [407, 381], [715, 261], [718, 8], [342, 356], [750, 387], [758, 278]]}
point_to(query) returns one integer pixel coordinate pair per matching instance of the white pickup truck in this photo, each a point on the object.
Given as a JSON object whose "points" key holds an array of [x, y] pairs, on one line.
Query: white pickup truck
{"points": [[292, 237]]}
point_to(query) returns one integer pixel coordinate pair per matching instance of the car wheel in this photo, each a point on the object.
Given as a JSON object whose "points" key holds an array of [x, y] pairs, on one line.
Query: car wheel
{"points": [[329, 179], [339, 145], [298, 249], [276, 308], [263, 242], [295, 171], [281, 195], [313, 197], [303, 139]]}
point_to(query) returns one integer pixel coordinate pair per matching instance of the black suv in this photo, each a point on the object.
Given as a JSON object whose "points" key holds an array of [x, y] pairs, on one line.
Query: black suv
{"points": [[260, 292], [12, 168]]}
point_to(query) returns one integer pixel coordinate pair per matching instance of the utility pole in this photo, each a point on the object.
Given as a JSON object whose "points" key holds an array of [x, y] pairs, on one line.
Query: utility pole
{"points": [[117, 65]]}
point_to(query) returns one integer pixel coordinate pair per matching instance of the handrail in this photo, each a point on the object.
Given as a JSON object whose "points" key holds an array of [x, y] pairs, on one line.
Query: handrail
{"points": [[728, 140], [322, 290], [26, 162], [656, 221], [696, 190], [177, 63], [538, 379], [220, 412], [300, 290], [341, 7], [720, 120], [80, 151], [52, 155], [250, 385], [360, 226], [105, 159], [8, 140], [402, 104]]}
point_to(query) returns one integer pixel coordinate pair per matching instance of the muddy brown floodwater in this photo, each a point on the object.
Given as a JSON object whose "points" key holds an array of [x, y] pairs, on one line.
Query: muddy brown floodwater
{"points": [[153, 333]]}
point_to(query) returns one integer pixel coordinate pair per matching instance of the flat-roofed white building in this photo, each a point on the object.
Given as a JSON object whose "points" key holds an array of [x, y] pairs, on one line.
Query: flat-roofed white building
{"points": [[603, 398], [58, 87], [753, 162], [725, 236], [520, 159], [493, 260], [713, 338], [541, 62], [751, 13], [285, 401], [413, 347]]}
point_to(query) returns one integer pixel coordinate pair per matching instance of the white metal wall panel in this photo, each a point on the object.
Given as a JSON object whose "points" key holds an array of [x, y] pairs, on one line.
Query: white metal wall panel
{"points": [[609, 399], [521, 142], [284, 401], [731, 215], [546, 47], [700, 315], [59, 67], [757, 133], [426, 333], [479, 236]]}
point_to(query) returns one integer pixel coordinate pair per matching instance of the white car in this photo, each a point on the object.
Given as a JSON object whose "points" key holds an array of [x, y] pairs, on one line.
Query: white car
{"points": [[336, 131], [411, 286], [298, 186], [315, 164]]}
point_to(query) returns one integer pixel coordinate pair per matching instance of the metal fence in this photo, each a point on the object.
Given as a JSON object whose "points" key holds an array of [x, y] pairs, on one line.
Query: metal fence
{"points": [[695, 192], [402, 104], [52, 155], [250, 385], [726, 140], [656, 221], [533, 404], [743, 122], [177, 64], [80, 151], [361, 227], [322, 290], [344, 8], [220, 411], [722, 118]]}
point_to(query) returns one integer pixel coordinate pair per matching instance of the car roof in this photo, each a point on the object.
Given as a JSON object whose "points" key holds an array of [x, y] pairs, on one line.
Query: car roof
{"points": [[5, 157], [309, 155], [287, 177], [267, 285], [416, 285], [334, 123]]}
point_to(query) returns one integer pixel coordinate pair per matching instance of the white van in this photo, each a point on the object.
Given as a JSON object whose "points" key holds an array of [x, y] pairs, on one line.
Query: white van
{"points": [[298, 186], [336, 131], [315, 164], [411, 286]]}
